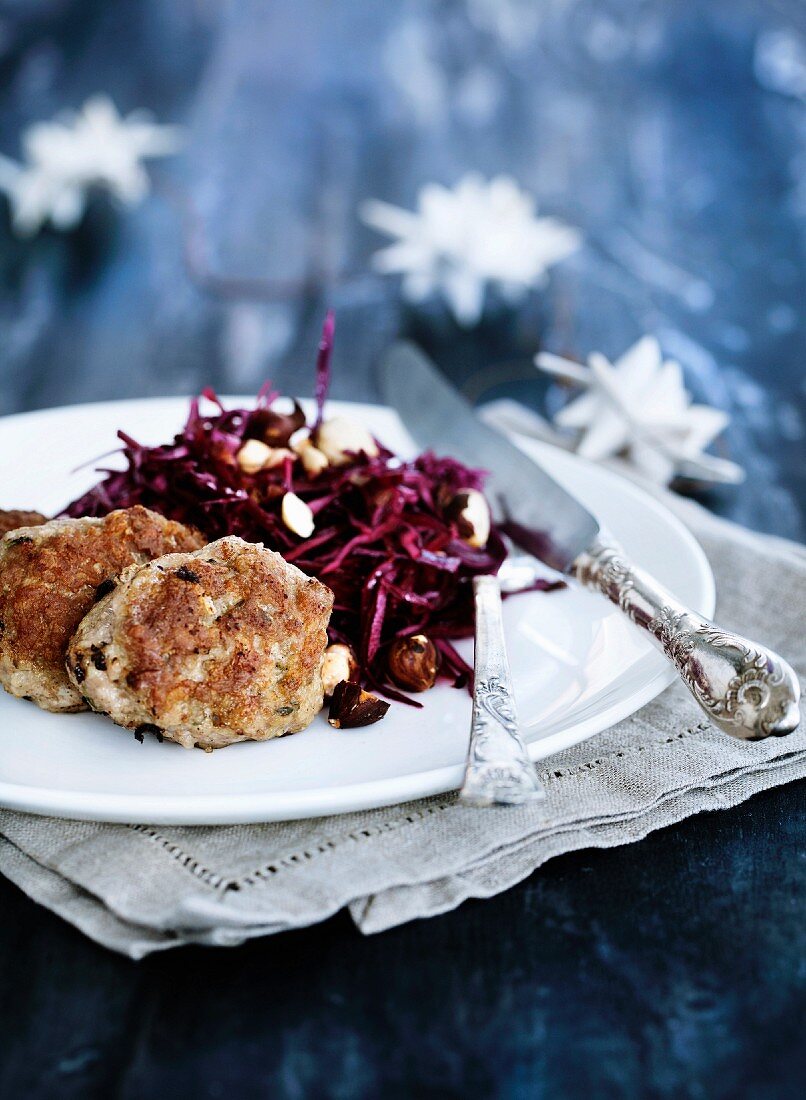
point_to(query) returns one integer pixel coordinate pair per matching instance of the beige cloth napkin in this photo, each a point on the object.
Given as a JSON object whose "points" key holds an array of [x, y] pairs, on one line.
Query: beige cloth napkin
{"points": [[138, 888]]}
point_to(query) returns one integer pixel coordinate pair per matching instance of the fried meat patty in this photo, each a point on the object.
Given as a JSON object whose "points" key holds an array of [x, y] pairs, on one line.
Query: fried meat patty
{"points": [[49, 578], [10, 520], [222, 645]]}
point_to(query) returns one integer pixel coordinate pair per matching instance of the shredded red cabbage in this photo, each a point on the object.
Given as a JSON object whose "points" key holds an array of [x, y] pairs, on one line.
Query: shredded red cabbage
{"points": [[383, 543], [323, 365]]}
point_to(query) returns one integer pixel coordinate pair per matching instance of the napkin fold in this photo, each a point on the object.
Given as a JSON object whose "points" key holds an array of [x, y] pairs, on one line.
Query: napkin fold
{"points": [[140, 888]]}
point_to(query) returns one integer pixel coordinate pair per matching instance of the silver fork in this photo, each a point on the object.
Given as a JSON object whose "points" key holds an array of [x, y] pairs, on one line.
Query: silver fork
{"points": [[499, 771]]}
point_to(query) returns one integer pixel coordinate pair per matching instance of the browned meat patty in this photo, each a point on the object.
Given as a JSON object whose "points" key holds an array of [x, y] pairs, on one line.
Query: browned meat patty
{"points": [[222, 645], [11, 520], [49, 578]]}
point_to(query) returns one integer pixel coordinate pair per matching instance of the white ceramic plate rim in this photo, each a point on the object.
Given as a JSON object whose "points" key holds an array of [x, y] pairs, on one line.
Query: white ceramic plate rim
{"points": [[273, 806]]}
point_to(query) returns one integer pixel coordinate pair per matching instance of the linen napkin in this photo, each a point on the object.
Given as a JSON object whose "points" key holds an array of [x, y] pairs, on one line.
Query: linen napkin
{"points": [[140, 888]]}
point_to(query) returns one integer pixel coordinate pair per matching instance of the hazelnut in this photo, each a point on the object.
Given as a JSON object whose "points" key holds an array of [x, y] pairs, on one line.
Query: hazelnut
{"points": [[274, 428], [313, 460], [339, 664], [414, 662], [472, 514], [253, 456], [351, 707], [340, 438], [297, 516]]}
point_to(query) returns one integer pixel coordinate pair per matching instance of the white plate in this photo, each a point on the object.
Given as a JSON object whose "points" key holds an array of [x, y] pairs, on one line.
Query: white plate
{"points": [[578, 665]]}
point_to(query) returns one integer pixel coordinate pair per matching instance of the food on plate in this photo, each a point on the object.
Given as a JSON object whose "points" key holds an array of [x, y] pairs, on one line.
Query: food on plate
{"points": [[51, 574], [11, 519], [335, 569], [398, 541], [414, 662], [391, 538], [220, 645]]}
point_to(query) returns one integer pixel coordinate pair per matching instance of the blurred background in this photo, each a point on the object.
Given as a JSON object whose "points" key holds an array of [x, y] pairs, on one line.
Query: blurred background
{"points": [[671, 135]]}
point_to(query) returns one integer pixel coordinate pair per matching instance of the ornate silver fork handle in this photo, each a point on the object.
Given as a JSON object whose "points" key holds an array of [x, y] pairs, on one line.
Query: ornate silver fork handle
{"points": [[499, 771], [746, 690]]}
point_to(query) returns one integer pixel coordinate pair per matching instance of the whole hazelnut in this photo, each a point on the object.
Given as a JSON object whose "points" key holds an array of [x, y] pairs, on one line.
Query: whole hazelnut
{"points": [[414, 662], [339, 664]]}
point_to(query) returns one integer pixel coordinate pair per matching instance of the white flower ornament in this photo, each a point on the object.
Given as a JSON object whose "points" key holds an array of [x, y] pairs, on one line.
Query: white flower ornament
{"points": [[639, 406], [461, 240], [93, 147]]}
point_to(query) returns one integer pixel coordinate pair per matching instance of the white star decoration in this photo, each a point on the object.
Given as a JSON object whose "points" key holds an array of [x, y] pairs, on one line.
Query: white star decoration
{"points": [[639, 406], [94, 147], [461, 240]]}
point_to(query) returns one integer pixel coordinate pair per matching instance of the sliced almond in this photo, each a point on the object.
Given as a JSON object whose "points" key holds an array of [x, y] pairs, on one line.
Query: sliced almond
{"points": [[297, 516]]}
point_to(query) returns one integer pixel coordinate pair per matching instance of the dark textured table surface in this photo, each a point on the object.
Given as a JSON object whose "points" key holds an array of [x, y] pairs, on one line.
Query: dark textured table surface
{"points": [[674, 136]]}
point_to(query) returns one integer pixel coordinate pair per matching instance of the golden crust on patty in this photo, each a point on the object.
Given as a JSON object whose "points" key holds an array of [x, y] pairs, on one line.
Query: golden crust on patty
{"points": [[222, 645], [11, 519], [49, 577]]}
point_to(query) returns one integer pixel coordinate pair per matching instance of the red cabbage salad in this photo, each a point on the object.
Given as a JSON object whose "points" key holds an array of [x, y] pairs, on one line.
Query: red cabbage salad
{"points": [[388, 536]]}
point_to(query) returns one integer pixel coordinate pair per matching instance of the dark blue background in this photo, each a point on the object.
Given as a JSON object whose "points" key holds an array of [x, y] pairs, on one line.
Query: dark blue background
{"points": [[674, 136]]}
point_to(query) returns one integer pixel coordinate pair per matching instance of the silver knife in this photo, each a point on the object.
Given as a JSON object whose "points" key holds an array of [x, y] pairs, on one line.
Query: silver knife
{"points": [[746, 690]]}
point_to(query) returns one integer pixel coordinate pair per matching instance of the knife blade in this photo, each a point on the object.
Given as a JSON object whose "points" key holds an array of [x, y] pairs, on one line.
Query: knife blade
{"points": [[537, 512]]}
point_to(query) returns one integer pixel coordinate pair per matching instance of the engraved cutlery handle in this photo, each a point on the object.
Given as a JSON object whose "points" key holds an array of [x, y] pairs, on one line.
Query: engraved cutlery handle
{"points": [[499, 771], [747, 690]]}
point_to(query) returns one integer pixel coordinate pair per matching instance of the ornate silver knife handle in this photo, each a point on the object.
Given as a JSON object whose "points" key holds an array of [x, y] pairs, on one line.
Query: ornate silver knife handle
{"points": [[746, 690], [499, 771]]}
